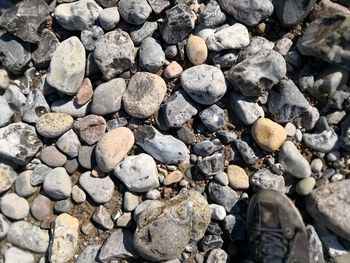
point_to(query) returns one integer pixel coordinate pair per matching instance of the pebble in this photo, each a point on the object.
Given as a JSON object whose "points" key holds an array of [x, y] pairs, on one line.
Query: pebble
{"points": [[102, 217], [85, 93], [211, 165], [173, 177], [268, 135], [69, 143], [7, 177], [256, 74], [218, 212], [71, 165], [39, 173], [144, 94], [145, 205], [283, 46], [15, 255], [217, 255], [6, 113], [23, 185], [138, 173], [315, 245], [52, 157], [226, 136], [153, 194], [246, 152], [233, 37], [4, 226], [151, 55], [327, 8], [63, 206], [196, 50], [344, 135], [246, 109], [90, 128], [293, 162], [99, 189], [205, 84], [171, 227], [14, 206], [235, 227], [47, 45], [124, 220], [207, 147], [305, 186], [34, 107], [86, 157], [41, 207], [4, 79], [264, 179], [134, 12], [213, 118], [222, 178], [212, 15], [53, 124], [290, 129], [58, 184], [77, 16], [19, 143], [237, 177], [298, 135], [114, 53], [89, 254], [146, 30], [89, 37], [131, 201], [113, 147], [325, 141], [71, 107], [67, 66], [65, 235], [224, 196], [109, 18], [78, 194], [186, 136]]}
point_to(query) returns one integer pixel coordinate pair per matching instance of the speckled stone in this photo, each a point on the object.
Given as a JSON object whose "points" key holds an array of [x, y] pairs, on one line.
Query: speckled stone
{"points": [[53, 125]]}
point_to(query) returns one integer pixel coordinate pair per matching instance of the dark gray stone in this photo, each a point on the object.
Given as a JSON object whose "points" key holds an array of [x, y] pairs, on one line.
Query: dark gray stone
{"points": [[63, 206], [185, 135], [224, 59], [151, 55], [345, 134], [212, 165], [213, 118], [47, 45], [226, 137], [86, 157], [89, 254], [223, 195], [134, 12], [206, 147], [246, 152], [71, 165], [211, 242], [108, 3]]}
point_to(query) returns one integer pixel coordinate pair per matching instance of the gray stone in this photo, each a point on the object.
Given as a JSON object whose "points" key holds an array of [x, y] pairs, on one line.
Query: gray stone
{"points": [[210, 242], [6, 112], [63, 206], [25, 19], [180, 21], [345, 134], [143, 206], [69, 144], [223, 195], [130, 201], [246, 109], [78, 194], [89, 254], [205, 84], [138, 173], [211, 165], [217, 255], [86, 157], [212, 15], [114, 53], [47, 45], [309, 118], [23, 185], [14, 96], [134, 12], [58, 184], [256, 74], [28, 236], [41, 207], [151, 55], [163, 232], [186, 136], [71, 107], [315, 245], [287, 102], [102, 218], [171, 51], [67, 66], [7, 177], [325, 141], [246, 152], [35, 106], [218, 212], [15, 255], [39, 173], [293, 162], [4, 226], [99, 189], [4, 79], [264, 179], [146, 30], [153, 194], [235, 227], [77, 16], [335, 117], [91, 128], [108, 3], [51, 156], [158, 6], [14, 206], [165, 148], [19, 143], [221, 178], [207, 147], [226, 136], [225, 59], [89, 37], [71, 165], [109, 18]]}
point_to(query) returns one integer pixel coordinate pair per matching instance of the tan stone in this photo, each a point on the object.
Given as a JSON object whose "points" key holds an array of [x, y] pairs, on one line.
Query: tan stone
{"points": [[196, 49], [173, 70], [268, 135], [173, 177], [85, 92], [54, 124], [237, 177]]}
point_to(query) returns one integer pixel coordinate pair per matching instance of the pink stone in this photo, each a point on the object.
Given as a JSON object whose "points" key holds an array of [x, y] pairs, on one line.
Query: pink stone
{"points": [[283, 45], [173, 70], [90, 128], [85, 92], [173, 178], [327, 8]]}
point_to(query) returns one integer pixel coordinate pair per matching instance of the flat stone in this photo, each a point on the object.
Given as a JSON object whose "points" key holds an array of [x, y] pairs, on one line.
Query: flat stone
{"points": [[212, 15], [71, 107], [223, 195], [78, 194], [196, 50], [90, 128], [151, 55], [52, 157], [48, 43], [207, 147], [158, 6], [237, 177], [246, 109], [15, 255], [85, 92], [7, 177], [265, 179], [109, 18], [86, 157], [325, 141], [134, 12], [23, 185], [58, 184], [14, 206], [102, 217], [99, 189], [69, 143], [41, 207], [211, 165], [89, 254]]}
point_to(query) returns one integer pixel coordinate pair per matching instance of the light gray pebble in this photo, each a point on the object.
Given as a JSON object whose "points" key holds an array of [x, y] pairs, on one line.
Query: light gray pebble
{"points": [[218, 212], [14, 206], [153, 194], [34, 107], [109, 18], [4, 79], [264, 179], [246, 109], [69, 144], [78, 194], [86, 157], [290, 129], [298, 135], [336, 177], [58, 184], [89, 37], [211, 165], [151, 55], [23, 185], [309, 118], [52, 157], [223, 195], [99, 189], [217, 255], [134, 12], [7, 177], [69, 106], [4, 226], [316, 165], [71, 165], [89, 254], [14, 96], [246, 152], [325, 141], [130, 201], [333, 156], [16, 255], [221, 178], [63, 206]]}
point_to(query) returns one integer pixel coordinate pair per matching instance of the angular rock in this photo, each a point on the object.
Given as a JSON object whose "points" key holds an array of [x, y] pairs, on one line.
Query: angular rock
{"points": [[325, 141], [90, 128], [89, 254], [6, 112], [223, 195], [89, 37], [47, 45], [217, 255], [206, 147], [212, 15], [99, 189], [246, 109], [69, 144], [58, 184], [264, 179], [109, 18], [151, 55], [102, 218], [159, 6], [211, 165], [53, 125], [257, 43], [34, 107], [134, 12], [146, 30], [39, 173], [345, 134], [246, 152]]}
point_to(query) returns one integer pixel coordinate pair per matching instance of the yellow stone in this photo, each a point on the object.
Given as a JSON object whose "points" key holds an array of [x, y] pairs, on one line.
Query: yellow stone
{"points": [[237, 177], [196, 49]]}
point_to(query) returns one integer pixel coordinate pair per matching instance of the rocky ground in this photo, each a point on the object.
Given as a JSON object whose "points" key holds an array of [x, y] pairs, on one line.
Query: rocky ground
{"points": [[138, 130]]}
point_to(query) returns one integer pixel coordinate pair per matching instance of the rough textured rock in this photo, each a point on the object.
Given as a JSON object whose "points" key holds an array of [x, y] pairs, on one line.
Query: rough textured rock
{"points": [[246, 108], [146, 30], [212, 15], [34, 107], [159, 5], [46, 47], [345, 134], [163, 232], [211, 165], [264, 179], [223, 195], [53, 125], [90, 128], [7, 177], [134, 12]]}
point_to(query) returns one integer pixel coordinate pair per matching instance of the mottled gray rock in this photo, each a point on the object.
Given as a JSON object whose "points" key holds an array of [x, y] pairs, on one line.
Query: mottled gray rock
{"points": [[25, 19], [114, 53], [143, 206], [14, 96], [246, 152], [163, 232], [47, 45], [90, 128], [315, 245], [223, 195], [67, 66], [89, 254], [39, 173], [235, 227], [7, 177], [35, 106], [151, 55], [78, 194], [165, 148], [180, 21], [16, 255], [51, 156], [19, 143], [256, 74], [246, 109], [77, 16], [86, 157], [108, 3], [159, 6], [99, 189], [224, 59], [138, 173], [207, 147], [63, 206], [212, 15], [71, 107], [109, 18], [23, 184], [14, 206], [309, 118], [6, 112], [58, 184], [287, 102], [69, 144], [217, 255], [146, 30], [134, 12], [4, 226], [89, 37], [265, 179], [325, 141], [102, 218], [211, 165], [205, 84]]}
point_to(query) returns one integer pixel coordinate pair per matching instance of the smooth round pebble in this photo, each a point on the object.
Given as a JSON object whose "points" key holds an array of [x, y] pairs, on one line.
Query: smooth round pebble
{"points": [[14, 206], [58, 184], [131, 201], [52, 157], [173, 70], [41, 207], [78, 194], [196, 49], [99, 189], [54, 124], [173, 177], [218, 212], [238, 178], [23, 184], [109, 18], [305, 186]]}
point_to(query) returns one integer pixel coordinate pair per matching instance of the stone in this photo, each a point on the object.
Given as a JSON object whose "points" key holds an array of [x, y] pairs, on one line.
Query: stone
{"points": [[211, 165], [205, 84], [90, 128], [52, 157], [173, 177], [226, 136], [246, 109], [19, 143], [224, 196], [327, 8], [293, 162], [53, 125], [283, 45], [71, 165], [4, 79], [41, 207], [345, 134], [290, 12], [102, 218], [85, 93], [144, 94], [34, 107], [6, 112], [138, 173], [69, 143], [233, 37], [71, 107], [67, 66], [86, 157], [134, 12], [15, 255], [14, 206], [249, 13], [78, 194], [212, 15], [89, 37], [114, 53], [235, 227], [39, 173], [151, 55], [171, 51], [89, 254], [309, 118], [119, 245], [221, 178], [305, 186], [237, 177], [315, 245], [58, 184], [16, 55], [77, 16], [173, 70], [130, 202], [256, 74], [28, 236], [325, 141], [124, 220], [186, 136], [113, 147], [4, 226], [158, 6], [268, 135], [146, 30], [330, 242], [163, 232], [196, 50], [48, 43], [217, 255], [164, 148], [265, 179], [246, 152], [7, 177], [210, 242], [109, 18], [23, 185], [327, 205], [207, 147], [25, 19], [224, 59], [63, 206], [287, 102], [99, 189], [213, 118], [218, 212], [180, 21], [65, 235]]}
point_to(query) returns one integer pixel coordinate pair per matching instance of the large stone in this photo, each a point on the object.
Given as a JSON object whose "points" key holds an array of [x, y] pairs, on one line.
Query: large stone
{"points": [[19, 143], [25, 19], [163, 232], [67, 66], [328, 205], [14, 206], [69, 144], [57, 184], [151, 55], [53, 125], [134, 12]]}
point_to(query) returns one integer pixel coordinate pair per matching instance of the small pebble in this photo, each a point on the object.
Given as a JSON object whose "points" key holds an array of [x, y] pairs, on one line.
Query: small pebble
{"points": [[41, 207], [238, 178], [218, 212], [58, 184], [23, 184], [172, 178], [305, 186], [78, 194], [131, 201], [173, 70]]}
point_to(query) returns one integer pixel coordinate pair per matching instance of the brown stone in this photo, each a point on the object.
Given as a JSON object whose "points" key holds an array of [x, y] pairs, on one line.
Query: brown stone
{"points": [[54, 124], [173, 177], [196, 49], [85, 92]]}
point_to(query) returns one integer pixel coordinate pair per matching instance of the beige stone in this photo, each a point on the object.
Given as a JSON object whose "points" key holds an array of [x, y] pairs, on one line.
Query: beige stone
{"points": [[237, 177], [54, 124], [173, 177], [196, 49], [85, 92], [268, 135], [173, 70]]}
